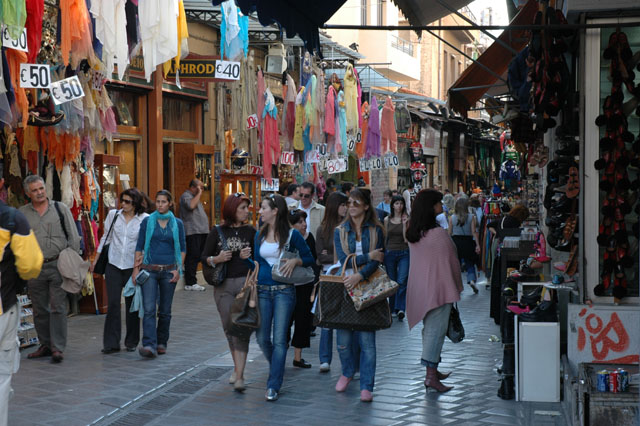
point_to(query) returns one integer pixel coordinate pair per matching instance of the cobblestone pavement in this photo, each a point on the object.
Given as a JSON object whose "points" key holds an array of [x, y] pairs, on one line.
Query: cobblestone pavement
{"points": [[189, 385]]}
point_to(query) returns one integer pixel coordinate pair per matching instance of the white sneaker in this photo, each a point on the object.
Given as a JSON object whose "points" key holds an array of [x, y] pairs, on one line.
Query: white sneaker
{"points": [[233, 378], [324, 367], [195, 287]]}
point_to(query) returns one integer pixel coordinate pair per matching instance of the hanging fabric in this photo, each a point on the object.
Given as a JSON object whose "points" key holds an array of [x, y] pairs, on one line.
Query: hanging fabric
{"points": [[290, 111], [260, 100], [14, 59], [329, 112], [364, 114], [388, 128], [351, 99], [271, 147], [373, 131], [6, 116], [183, 44], [14, 15], [76, 32], [158, 32], [298, 143], [33, 24], [133, 37], [360, 120], [234, 32], [343, 122], [111, 29]]}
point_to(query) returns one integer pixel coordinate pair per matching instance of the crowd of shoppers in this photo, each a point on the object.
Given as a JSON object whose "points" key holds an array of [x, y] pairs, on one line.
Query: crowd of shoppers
{"points": [[148, 246]]}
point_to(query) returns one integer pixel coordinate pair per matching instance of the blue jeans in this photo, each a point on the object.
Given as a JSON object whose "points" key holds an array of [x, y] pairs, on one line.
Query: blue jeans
{"points": [[397, 264], [325, 348], [470, 268], [158, 289], [367, 342], [276, 308]]}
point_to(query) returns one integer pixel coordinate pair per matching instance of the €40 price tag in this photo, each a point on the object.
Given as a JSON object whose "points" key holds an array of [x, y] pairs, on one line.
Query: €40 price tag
{"points": [[35, 76], [66, 90], [10, 43], [227, 70]]}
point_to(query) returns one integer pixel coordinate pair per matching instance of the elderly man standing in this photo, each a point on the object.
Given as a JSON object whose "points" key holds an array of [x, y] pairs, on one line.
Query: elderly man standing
{"points": [[314, 211], [55, 230], [21, 260], [196, 229]]}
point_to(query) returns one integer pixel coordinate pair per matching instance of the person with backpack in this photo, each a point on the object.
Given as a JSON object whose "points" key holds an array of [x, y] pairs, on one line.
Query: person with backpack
{"points": [[55, 230], [21, 259]]}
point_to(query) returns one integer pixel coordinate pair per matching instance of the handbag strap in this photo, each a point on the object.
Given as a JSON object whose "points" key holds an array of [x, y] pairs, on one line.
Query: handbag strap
{"points": [[113, 222], [222, 238]]}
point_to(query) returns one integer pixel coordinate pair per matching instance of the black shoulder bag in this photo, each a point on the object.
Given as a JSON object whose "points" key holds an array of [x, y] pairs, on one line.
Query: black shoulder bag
{"points": [[215, 275], [103, 259]]}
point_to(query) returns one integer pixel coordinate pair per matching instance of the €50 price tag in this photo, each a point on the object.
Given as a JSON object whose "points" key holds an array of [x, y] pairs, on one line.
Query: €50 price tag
{"points": [[35, 76], [227, 70], [66, 90], [10, 43]]}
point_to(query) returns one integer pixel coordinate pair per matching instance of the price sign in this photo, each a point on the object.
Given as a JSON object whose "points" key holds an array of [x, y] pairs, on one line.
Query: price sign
{"points": [[286, 158], [359, 136], [252, 121], [322, 164], [312, 157], [351, 142], [10, 43], [363, 165], [391, 160], [256, 170], [227, 70], [321, 148], [97, 79], [273, 186], [338, 165], [35, 76], [376, 163], [66, 90]]}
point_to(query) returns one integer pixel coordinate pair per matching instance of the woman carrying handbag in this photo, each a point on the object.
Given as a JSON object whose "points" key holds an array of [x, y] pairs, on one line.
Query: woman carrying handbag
{"points": [[233, 249], [119, 242], [276, 300], [354, 236], [435, 281]]}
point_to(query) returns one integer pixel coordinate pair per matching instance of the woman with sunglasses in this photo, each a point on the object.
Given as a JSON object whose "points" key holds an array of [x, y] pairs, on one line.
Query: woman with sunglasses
{"points": [[121, 228], [276, 300], [160, 250], [360, 234], [335, 211], [302, 315], [237, 246]]}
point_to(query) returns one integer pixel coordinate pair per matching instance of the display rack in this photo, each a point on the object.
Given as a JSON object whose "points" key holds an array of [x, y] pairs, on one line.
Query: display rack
{"points": [[26, 330]]}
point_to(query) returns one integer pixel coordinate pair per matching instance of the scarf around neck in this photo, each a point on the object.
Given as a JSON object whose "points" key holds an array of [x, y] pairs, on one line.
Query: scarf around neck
{"points": [[173, 226]]}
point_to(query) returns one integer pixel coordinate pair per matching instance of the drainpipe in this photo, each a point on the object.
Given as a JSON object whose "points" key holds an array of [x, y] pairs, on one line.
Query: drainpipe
{"points": [[442, 150]]}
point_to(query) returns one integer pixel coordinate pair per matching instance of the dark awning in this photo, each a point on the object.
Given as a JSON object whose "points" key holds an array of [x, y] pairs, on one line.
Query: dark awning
{"points": [[476, 79], [423, 12], [302, 17]]}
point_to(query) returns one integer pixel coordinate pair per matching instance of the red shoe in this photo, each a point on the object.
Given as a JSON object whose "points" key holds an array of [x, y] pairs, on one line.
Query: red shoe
{"points": [[342, 384], [41, 352], [365, 396]]}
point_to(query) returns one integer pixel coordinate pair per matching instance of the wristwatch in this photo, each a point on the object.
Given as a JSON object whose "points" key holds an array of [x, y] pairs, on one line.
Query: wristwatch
{"points": [[210, 261]]}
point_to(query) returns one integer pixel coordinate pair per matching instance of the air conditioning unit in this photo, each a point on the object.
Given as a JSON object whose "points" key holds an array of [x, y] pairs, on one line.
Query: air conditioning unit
{"points": [[276, 61]]}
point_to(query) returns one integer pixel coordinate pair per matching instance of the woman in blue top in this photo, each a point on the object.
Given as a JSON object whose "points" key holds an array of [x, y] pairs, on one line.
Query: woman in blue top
{"points": [[360, 233], [276, 300], [160, 250]]}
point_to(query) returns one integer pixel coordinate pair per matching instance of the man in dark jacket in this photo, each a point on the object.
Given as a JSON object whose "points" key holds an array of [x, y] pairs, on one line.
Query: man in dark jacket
{"points": [[21, 259]]}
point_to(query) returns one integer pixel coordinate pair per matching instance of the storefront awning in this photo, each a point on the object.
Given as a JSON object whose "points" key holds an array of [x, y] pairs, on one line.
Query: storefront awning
{"points": [[483, 74], [368, 77], [423, 12], [302, 18]]}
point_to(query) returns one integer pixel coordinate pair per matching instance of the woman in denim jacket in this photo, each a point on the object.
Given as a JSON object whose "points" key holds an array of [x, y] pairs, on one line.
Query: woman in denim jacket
{"points": [[276, 300], [360, 229]]}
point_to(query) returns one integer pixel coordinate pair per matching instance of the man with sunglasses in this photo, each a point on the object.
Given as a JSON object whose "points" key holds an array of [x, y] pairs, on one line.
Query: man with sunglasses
{"points": [[314, 211], [196, 229]]}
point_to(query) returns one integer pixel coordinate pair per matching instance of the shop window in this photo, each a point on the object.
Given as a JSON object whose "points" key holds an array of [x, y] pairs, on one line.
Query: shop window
{"points": [[126, 107], [179, 115]]}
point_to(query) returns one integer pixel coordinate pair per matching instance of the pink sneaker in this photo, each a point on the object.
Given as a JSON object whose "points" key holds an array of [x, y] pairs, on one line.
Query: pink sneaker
{"points": [[342, 384], [365, 396]]}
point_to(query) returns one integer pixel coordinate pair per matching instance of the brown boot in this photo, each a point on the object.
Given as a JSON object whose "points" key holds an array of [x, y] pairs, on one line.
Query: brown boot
{"points": [[41, 352], [432, 381], [442, 376]]}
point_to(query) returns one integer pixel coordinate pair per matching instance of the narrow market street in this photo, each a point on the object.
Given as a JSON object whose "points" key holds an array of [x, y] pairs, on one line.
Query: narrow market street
{"points": [[188, 386]]}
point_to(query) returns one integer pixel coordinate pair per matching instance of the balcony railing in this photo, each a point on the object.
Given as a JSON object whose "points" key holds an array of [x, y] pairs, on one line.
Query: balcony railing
{"points": [[402, 45]]}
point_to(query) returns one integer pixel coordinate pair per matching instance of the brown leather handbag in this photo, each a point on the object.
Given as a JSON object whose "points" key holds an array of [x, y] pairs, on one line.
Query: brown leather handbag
{"points": [[245, 312]]}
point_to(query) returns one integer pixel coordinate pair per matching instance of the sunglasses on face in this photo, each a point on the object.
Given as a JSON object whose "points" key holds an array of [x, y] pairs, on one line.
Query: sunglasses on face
{"points": [[239, 194], [354, 203], [125, 201], [306, 195]]}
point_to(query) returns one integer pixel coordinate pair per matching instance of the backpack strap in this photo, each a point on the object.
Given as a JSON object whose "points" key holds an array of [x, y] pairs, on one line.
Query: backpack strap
{"points": [[64, 226]]}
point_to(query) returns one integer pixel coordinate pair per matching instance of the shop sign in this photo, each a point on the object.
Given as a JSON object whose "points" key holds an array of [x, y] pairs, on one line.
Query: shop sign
{"points": [[391, 160], [337, 165], [603, 334], [252, 121], [66, 90], [256, 170], [287, 158], [269, 187], [10, 43], [35, 76], [322, 163], [205, 69]]}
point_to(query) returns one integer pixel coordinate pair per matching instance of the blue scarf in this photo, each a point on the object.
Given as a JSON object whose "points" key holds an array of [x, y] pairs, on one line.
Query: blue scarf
{"points": [[173, 226]]}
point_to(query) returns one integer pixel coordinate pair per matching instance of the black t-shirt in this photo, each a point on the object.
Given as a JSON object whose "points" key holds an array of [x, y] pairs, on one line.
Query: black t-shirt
{"points": [[508, 222], [237, 239]]}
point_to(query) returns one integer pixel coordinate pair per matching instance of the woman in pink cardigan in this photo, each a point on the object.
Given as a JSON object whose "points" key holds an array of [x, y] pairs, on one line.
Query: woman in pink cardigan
{"points": [[435, 281]]}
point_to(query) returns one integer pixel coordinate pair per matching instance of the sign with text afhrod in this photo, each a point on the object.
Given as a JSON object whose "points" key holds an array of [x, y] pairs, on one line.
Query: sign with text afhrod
{"points": [[205, 69]]}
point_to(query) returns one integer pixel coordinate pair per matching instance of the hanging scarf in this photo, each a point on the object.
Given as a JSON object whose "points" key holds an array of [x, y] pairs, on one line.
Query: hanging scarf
{"points": [[173, 226], [351, 99], [343, 123], [360, 119], [329, 112], [388, 127], [373, 130]]}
